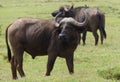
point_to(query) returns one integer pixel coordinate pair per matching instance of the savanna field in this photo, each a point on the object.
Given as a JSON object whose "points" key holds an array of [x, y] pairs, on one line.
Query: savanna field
{"points": [[91, 63]]}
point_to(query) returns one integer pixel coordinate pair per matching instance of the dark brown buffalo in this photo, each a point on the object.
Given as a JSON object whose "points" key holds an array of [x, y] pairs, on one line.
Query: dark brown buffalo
{"points": [[41, 37], [96, 19]]}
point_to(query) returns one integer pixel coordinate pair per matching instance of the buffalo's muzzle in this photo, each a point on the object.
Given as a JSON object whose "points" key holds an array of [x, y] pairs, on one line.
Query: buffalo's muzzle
{"points": [[62, 36]]}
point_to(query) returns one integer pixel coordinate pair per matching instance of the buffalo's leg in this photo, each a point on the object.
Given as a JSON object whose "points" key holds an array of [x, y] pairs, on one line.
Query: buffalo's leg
{"points": [[84, 37], [95, 34], [18, 60], [50, 64], [20, 65], [69, 62], [101, 36], [13, 68]]}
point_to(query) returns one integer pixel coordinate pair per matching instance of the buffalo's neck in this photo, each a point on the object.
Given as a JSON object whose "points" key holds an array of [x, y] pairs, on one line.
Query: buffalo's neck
{"points": [[65, 49], [62, 49], [79, 14]]}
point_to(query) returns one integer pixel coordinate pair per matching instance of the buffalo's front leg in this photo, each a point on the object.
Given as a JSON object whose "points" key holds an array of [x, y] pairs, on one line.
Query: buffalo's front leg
{"points": [[69, 61], [50, 63]]}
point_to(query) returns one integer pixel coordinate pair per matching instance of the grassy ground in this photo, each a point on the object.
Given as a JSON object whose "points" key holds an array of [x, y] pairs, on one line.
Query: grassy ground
{"points": [[92, 63]]}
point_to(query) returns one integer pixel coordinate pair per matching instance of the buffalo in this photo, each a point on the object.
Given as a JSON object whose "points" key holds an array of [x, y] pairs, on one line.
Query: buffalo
{"points": [[40, 37], [96, 20]]}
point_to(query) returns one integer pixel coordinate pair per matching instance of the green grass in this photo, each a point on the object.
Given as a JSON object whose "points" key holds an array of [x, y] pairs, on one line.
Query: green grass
{"points": [[110, 73], [92, 63]]}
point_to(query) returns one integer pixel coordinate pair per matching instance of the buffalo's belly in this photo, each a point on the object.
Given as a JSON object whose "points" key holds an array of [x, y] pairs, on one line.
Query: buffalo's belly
{"points": [[36, 51], [62, 56]]}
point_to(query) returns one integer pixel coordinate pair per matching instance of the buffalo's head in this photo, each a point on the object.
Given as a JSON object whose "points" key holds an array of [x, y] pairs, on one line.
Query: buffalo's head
{"points": [[64, 11], [68, 30]]}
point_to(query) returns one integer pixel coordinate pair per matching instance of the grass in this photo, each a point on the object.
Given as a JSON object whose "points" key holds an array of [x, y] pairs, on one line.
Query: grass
{"points": [[110, 73], [92, 63]]}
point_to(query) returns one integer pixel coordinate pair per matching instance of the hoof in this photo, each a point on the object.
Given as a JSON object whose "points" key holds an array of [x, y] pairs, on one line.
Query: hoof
{"points": [[71, 73], [15, 78], [23, 76], [47, 74]]}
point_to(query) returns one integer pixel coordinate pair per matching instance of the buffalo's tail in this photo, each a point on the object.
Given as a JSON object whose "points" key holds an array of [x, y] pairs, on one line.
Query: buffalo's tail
{"points": [[102, 25], [8, 47]]}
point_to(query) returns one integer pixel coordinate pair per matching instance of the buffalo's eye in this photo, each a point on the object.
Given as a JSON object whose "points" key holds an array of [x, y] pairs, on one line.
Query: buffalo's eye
{"points": [[71, 26], [58, 30]]}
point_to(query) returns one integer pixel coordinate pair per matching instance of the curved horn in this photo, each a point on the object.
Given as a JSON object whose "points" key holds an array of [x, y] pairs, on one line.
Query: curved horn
{"points": [[65, 8], [55, 19], [74, 22]]}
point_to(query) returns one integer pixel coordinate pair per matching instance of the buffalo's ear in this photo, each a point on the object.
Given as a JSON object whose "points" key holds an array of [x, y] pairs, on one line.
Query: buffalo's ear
{"points": [[54, 13], [72, 7]]}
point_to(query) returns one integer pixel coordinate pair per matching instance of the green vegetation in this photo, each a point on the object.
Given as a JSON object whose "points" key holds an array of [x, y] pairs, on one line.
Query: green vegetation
{"points": [[0, 30], [110, 73], [92, 63]]}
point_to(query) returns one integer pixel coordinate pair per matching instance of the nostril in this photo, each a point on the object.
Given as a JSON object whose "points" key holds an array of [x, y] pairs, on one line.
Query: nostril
{"points": [[61, 36]]}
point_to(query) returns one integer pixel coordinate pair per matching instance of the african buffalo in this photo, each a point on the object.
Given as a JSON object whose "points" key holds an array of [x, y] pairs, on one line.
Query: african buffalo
{"points": [[41, 37], [96, 19]]}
